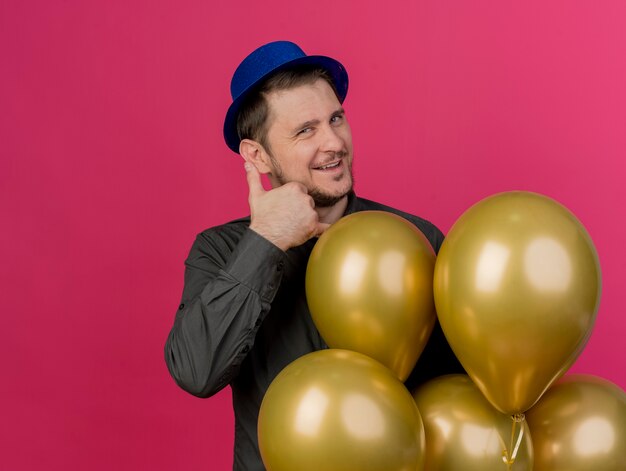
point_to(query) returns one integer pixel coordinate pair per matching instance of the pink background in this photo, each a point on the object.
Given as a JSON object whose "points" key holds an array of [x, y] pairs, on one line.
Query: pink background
{"points": [[112, 160]]}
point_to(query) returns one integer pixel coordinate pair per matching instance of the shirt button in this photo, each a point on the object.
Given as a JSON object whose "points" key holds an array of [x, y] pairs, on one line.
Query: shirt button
{"points": [[181, 307], [245, 349], [258, 322], [279, 267]]}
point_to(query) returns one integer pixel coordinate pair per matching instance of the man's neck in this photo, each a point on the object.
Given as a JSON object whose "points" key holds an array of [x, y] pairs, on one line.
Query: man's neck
{"points": [[333, 213]]}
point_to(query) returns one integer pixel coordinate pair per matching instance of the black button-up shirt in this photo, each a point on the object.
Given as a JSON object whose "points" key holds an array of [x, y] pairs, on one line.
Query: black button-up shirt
{"points": [[243, 317]]}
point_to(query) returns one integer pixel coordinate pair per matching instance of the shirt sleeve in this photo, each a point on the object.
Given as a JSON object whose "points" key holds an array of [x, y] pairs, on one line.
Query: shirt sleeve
{"points": [[228, 291]]}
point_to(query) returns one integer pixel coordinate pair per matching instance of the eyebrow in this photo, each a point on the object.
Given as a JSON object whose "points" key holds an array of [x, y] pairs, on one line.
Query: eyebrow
{"points": [[314, 122]]}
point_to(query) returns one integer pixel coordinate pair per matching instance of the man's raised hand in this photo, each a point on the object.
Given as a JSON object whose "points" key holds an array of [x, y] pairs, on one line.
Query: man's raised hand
{"points": [[284, 215]]}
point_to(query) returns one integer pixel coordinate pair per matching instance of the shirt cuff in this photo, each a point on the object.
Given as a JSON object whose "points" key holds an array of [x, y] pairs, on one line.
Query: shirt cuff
{"points": [[258, 264]]}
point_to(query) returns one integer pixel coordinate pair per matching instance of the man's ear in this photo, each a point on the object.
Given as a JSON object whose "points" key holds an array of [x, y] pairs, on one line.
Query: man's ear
{"points": [[253, 152]]}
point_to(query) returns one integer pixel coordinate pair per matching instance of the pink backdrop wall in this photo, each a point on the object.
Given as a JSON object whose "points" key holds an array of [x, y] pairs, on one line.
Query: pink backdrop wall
{"points": [[112, 160]]}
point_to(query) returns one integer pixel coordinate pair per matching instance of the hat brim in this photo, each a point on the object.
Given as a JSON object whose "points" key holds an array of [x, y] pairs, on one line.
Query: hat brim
{"points": [[338, 75]]}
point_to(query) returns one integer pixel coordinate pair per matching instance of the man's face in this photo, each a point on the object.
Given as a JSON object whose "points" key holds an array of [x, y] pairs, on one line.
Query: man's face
{"points": [[310, 142]]}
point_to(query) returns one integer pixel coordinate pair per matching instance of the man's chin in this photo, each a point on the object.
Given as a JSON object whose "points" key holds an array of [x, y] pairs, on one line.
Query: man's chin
{"points": [[325, 200]]}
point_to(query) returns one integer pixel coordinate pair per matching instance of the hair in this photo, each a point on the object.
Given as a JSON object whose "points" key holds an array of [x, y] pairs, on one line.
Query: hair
{"points": [[252, 118]]}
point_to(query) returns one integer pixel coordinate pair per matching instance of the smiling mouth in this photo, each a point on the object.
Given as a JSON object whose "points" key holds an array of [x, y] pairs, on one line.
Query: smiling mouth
{"points": [[328, 166]]}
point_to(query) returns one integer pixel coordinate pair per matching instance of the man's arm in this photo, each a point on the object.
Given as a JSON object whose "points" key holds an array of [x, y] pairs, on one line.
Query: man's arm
{"points": [[229, 287], [231, 279]]}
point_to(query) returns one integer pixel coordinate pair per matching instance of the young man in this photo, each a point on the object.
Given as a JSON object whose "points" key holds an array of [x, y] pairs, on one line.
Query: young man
{"points": [[243, 315]]}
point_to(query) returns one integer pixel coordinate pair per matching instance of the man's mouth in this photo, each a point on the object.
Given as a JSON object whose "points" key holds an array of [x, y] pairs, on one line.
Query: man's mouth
{"points": [[328, 166]]}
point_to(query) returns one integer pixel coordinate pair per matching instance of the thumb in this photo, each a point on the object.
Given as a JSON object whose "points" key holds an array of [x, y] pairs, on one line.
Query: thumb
{"points": [[254, 180]]}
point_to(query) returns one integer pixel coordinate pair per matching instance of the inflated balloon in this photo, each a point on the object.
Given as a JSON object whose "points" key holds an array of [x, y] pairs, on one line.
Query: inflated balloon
{"points": [[517, 287], [339, 410], [369, 288], [464, 431], [580, 425]]}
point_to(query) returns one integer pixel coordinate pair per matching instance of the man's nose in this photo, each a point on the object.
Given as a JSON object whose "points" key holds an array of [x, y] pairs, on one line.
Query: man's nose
{"points": [[331, 140]]}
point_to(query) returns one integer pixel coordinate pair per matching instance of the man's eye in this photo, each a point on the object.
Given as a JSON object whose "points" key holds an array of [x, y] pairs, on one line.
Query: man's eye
{"points": [[336, 119], [304, 131]]}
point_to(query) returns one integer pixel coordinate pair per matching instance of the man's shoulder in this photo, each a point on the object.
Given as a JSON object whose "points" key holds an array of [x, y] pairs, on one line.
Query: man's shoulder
{"points": [[364, 204], [432, 232], [235, 224], [231, 231]]}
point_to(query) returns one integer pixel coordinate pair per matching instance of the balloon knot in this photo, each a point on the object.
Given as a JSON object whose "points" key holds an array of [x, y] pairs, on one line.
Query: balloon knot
{"points": [[509, 458], [518, 418]]}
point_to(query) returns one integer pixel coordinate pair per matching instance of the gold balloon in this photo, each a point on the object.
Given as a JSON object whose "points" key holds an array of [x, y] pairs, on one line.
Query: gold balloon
{"points": [[464, 432], [580, 425], [517, 287], [338, 410], [369, 288]]}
